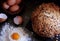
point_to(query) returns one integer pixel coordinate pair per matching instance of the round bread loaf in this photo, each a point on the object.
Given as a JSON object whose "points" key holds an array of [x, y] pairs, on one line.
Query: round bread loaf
{"points": [[46, 20]]}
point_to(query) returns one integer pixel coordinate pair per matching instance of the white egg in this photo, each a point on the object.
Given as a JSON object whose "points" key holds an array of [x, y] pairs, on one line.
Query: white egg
{"points": [[18, 34]]}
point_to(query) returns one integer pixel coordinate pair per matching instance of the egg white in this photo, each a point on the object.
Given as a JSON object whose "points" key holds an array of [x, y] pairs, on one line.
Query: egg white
{"points": [[7, 31]]}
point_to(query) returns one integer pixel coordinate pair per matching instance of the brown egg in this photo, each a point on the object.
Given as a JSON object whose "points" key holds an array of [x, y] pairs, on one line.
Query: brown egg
{"points": [[3, 17], [18, 20], [5, 5], [11, 2], [14, 8], [18, 1]]}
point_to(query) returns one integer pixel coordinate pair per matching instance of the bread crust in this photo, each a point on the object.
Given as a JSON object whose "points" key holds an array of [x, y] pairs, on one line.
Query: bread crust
{"points": [[46, 20]]}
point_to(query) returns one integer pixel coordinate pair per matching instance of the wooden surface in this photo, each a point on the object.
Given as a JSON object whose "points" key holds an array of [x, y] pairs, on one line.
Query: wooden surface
{"points": [[29, 6]]}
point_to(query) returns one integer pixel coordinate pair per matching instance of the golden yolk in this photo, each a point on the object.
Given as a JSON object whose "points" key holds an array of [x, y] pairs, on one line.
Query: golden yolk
{"points": [[15, 36]]}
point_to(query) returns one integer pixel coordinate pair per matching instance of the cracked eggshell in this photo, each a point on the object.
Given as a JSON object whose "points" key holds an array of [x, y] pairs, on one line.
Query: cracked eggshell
{"points": [[18, 20], [3, 17]]}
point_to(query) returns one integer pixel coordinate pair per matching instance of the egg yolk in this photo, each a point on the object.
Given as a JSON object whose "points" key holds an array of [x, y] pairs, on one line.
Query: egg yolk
{"points": [[15, 36]]}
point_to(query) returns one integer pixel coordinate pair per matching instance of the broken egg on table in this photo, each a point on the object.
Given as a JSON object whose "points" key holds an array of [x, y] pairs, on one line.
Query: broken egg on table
{"points": [[12, 33], [3, 17], [18, 20]]}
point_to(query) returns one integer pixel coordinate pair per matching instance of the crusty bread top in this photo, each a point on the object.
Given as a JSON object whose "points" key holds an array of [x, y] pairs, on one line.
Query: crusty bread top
{"points": [[46, 20]]}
